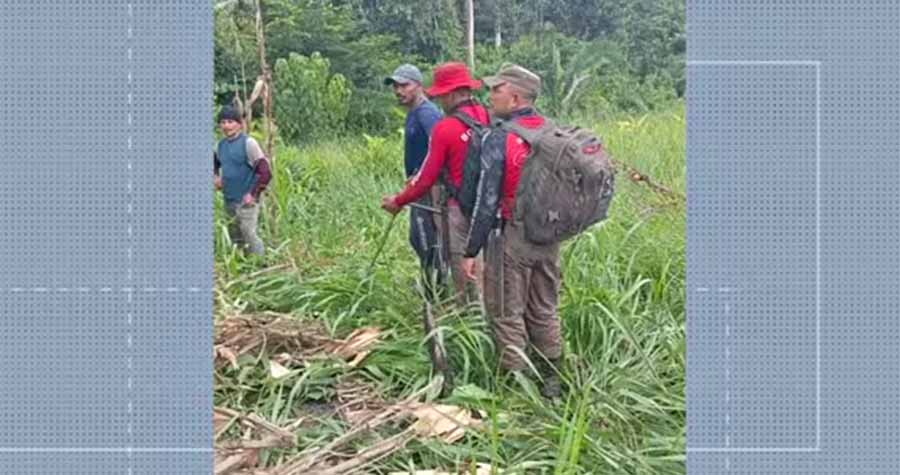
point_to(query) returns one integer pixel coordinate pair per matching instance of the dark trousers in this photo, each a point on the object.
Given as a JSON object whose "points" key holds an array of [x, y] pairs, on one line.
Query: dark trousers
{"points": [[424, 237]]}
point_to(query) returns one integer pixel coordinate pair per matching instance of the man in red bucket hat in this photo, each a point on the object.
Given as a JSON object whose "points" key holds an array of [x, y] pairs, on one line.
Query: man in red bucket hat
{"points": [[452, 88]]}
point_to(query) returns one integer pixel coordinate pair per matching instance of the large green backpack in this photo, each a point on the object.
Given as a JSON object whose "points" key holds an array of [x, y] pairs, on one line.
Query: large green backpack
{"points": [[567, 182]]}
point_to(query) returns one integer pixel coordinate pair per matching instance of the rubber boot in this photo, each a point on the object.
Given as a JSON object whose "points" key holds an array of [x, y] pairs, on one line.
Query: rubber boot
{"points": [[552, 385]]}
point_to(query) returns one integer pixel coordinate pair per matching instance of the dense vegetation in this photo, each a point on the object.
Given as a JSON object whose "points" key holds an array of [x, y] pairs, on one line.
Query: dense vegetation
{"points": [[597, 57]]}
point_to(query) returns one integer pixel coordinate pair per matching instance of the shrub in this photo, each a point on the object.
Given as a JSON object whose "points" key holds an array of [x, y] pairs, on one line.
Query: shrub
{"points": [[311, 102]]}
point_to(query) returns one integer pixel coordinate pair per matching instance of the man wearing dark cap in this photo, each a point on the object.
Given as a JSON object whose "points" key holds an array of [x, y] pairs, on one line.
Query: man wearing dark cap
{"points": [[452, 88], [421, 117], [521, 279], [241, 171]]}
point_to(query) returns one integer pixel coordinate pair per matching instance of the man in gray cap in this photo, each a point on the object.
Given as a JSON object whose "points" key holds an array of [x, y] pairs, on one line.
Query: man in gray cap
{"points": [[421, 116], [521, 279]]}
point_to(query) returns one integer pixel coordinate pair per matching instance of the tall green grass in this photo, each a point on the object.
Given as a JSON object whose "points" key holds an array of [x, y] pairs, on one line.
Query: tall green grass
{"points": [[623, 308]]}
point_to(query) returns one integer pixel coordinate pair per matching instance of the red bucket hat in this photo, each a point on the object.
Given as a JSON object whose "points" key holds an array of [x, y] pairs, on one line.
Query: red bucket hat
{"points": [[449, 77]]}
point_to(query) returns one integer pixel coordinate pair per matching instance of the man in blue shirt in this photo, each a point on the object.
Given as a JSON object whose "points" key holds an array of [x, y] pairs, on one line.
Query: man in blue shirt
{"points": [[421, 116], [241, 171]]}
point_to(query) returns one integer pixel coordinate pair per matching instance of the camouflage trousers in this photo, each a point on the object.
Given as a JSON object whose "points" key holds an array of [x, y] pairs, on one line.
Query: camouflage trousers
{"points": [[242, 224], [521, 295]]}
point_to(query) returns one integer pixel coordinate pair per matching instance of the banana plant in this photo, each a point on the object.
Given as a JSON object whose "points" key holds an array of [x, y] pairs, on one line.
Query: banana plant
{"points": [[569, 78]]}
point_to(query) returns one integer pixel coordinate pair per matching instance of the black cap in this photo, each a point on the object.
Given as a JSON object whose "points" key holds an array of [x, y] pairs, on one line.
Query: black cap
{"points": [[230, 113]]}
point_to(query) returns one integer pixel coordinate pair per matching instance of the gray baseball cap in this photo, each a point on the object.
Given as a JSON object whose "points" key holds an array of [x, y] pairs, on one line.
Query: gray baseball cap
{"points": [[403, 75]]}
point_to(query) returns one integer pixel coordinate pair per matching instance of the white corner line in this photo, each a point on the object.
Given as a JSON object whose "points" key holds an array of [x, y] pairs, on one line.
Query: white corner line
{"points": [[818, 65], [818, 256], [130, 249], [104, 449], [755, 449], [106, 290], [748, 62]]}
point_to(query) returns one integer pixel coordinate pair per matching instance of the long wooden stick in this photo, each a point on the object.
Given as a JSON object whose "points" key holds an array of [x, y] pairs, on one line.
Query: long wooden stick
{"points": [[384, 238]]}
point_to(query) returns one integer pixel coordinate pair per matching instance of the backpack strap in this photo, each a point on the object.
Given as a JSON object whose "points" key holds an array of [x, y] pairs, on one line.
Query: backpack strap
{"points": [[529, 135], [533, 136], [452, 190], [467, 119]]}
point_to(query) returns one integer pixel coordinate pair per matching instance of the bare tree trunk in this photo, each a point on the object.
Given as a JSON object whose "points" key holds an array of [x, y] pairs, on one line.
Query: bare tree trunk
{"points": [[470, 37], [264, 87], [498, 25], [266, 78], [240, 54]]}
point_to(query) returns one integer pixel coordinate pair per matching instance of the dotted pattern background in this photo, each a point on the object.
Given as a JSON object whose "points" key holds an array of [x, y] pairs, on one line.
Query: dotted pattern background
{"points": [[753, 191], [105, 200], [106, 464], [751, 229]]}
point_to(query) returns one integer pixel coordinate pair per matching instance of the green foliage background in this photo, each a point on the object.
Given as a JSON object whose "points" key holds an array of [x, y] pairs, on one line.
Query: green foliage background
{"points": [[624, 55]]}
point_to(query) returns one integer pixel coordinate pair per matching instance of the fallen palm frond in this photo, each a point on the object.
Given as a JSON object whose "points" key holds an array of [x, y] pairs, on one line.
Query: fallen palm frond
{"points": [[293, 341], [238, 456], [343, 454]]}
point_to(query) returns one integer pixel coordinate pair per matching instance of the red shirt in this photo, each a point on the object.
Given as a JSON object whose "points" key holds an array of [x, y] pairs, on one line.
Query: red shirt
{"points": [[447, 148], [517, 151]]}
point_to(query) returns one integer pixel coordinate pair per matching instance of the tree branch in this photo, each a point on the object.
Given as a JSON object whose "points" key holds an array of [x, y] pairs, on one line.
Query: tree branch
{"points": [[637, 176]]}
